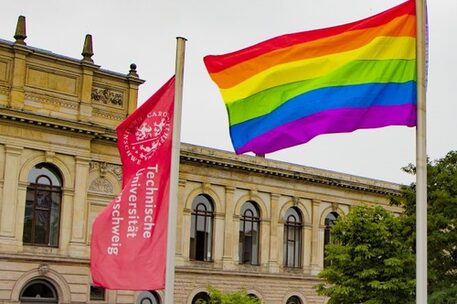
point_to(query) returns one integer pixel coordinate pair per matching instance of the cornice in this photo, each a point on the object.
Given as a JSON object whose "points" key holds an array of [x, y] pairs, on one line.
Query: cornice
{"points": [[217, 158], [80, 128], [227, 160]]}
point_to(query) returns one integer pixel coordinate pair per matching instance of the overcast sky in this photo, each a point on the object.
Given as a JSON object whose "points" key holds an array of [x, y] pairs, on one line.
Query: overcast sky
{"points": [[144, 31]]}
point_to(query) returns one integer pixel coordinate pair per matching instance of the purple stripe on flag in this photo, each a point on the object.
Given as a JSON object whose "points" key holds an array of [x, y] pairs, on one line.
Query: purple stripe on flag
{"points": [[332, 121]]}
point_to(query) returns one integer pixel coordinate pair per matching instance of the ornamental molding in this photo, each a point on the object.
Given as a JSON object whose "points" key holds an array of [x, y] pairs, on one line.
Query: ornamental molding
{"points": [[4, 90], [107, 97], [51, 100], [107, 115]]}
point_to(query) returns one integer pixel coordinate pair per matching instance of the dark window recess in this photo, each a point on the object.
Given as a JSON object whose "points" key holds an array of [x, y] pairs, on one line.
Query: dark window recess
{"points": [[97, 293], [294, 300], [201, 298], [39, 291]]}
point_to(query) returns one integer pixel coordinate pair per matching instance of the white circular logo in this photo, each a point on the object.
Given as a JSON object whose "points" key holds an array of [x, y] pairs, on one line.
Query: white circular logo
{"points": [[145, 135]]}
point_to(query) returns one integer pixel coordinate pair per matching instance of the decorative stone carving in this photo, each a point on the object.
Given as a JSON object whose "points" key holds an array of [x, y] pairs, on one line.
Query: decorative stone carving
{"points": [[104, 168], [107, 96], [43, 269], [296, 201], [101, 184]]}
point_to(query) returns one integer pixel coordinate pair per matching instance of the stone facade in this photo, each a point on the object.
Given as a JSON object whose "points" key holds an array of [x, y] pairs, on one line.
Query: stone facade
{"points": [[62, 112]]}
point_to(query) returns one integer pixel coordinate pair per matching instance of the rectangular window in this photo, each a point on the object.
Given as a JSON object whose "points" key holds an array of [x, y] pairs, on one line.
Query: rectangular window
{"points": [[97, 293]]}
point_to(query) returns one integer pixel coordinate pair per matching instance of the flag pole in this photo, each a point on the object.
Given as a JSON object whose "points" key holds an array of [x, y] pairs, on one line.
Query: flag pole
{"points": [[174, 174], [421, 159]]}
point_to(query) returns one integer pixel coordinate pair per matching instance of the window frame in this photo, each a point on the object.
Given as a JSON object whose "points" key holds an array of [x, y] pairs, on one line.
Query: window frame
{"points": [[328, 222], [253, 220], [34, 187], [207, 216], [296, 227]]}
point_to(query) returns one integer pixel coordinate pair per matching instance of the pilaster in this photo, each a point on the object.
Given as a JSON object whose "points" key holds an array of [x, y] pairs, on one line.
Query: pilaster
{"points": [[315, 248], [179, 221], [227, 259], [10, 191], [85, 106], [17, 94], [79, 225], [274, 240]]}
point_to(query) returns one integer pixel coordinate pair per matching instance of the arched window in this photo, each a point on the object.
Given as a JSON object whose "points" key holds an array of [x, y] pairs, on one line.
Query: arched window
{"points": [[249, 234], [201, 229], [42, 206], [201, 298], [329, 221], [148, 297], [294, 300], [39, 291], [292, 238]]}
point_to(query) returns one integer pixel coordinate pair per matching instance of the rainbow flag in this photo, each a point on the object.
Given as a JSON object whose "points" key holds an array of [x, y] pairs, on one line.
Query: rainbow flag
{"points": [[289, 89]]}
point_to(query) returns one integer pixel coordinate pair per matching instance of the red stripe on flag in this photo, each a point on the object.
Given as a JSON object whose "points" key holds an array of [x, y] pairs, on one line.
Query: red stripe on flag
{"points": [[217, 63]]}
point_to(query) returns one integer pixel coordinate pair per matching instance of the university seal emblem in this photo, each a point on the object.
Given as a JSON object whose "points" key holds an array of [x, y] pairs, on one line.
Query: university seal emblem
{"points": [[144, 136]]}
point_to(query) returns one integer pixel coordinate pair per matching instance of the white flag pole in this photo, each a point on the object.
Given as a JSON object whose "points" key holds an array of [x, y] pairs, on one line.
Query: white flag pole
{"points": [[421, 159], [176, 147]]}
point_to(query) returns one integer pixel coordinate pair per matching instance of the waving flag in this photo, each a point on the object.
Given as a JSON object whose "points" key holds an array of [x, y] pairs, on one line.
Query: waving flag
{"points": [[129, 237], [287, 90]]}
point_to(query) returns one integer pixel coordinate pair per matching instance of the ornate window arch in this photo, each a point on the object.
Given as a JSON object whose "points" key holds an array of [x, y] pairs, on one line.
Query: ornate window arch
{"points": [[201, 232], [293, 237], [39, 291], [249, 233], [42, 206]]}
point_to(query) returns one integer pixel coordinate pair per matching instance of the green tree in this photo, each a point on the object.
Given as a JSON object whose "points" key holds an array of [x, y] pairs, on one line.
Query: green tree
{"points": [[441, 225], [371, 260], [217, 296]]}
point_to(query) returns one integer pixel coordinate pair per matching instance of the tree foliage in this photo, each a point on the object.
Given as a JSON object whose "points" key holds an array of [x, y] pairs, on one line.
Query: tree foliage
{"points": [[217, 296], [370, 260], [441, 225]]}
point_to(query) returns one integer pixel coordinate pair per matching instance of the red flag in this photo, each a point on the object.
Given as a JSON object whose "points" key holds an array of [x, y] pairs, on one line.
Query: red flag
{"points": [[128, 245]]}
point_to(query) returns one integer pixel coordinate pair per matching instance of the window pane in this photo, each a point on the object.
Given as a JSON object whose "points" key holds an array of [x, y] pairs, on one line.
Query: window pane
{"points": [[46, 170], [43, 199], [41, 227], [54, 225]]}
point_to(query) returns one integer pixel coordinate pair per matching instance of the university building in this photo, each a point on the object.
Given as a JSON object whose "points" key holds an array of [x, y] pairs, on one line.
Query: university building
{"points": [[242, 221]]}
